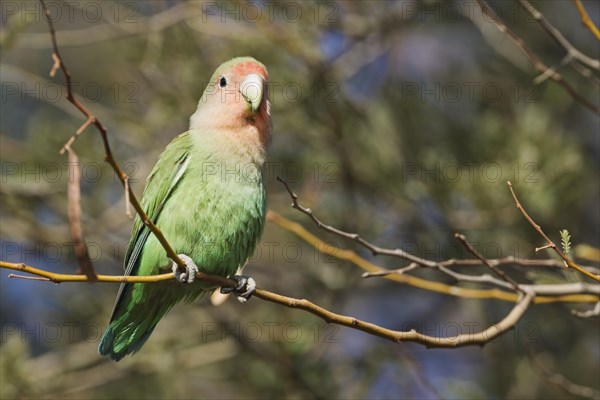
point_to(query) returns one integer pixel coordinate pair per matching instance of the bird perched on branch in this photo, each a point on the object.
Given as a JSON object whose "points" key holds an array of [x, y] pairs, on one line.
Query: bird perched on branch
{"points": [[207, 195]]}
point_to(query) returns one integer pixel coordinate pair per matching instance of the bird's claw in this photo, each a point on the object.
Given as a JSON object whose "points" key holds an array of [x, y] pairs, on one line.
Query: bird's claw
{"points": [[244, 289], [190, 270]]}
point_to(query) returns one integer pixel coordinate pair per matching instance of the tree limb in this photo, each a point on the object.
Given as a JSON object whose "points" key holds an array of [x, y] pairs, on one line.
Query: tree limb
{"points": [[466, 339], [534, 60], [550, 243]]}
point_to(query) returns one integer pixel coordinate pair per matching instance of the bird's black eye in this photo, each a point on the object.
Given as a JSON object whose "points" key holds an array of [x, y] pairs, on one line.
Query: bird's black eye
{"points": [[223, 81]]}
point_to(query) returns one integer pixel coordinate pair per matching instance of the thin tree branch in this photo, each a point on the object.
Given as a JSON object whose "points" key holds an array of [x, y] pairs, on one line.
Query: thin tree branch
{"points": [[586, 20], [533, 59], [594, 312], [559, 37], [467, 339], [108, 156], [569, 292], [74, 210], [375, 250], [30, 278], [497, 271], [60, 278], [560, 381], [551, 244]]}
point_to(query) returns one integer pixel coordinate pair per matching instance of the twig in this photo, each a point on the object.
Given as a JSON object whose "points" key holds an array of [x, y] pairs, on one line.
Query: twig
{"points": [[79, 131], [509, 260], [399, 271], [375, 250], [30, 278], [586, 20], [552, 70], [544, 247], [463, 240], [55, 66], [533, 59], [594, 312], [551, 244], [461, 340], [60, 278], [570, 292], [74, 211], [560, 381], [108, 157], [559, 37], [127, 198]]}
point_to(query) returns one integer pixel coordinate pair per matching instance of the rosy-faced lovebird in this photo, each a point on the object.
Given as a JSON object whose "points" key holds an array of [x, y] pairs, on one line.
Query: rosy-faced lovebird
{"points": [[207, 195]]}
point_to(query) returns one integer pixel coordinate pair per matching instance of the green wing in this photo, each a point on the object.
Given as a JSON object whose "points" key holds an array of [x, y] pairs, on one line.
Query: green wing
{"points": [[161, 183]]}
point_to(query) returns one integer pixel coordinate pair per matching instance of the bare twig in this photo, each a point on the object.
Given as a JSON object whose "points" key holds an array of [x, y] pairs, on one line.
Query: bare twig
{"points": [[79, 131], [586, 20], [560, 381], [60, 278], [30, 278], [594, 312], [568, 292], [509, 260], [55, 66], [375, 250], [461, 340], [544, 247], [533, 59], [92, 119], [559, 37], [74, 210], [550, 243], [463, 240], [127, 198], [399, 271]]}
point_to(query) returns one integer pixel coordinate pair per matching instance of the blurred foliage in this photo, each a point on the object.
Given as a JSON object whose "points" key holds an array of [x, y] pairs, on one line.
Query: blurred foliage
{"points": [[401, 120]]}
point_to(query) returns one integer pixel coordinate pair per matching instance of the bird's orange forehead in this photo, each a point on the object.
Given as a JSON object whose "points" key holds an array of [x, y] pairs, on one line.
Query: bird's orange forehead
{"points": [[250, 67]]}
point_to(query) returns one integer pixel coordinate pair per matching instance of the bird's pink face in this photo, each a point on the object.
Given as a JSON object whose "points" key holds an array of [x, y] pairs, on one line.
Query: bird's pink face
{"points": [[236, 98], [243, 88]]}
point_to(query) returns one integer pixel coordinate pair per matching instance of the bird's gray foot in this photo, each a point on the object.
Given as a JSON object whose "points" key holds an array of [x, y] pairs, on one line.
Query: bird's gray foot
{"points": [[243, 291], [190, 270]]}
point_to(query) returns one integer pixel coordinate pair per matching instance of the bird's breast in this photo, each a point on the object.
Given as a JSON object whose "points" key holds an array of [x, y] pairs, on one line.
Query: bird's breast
{"points": [[219, 217]]}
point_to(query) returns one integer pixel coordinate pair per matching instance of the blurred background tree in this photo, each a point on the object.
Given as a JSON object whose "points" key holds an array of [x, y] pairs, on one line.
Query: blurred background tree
{"points": [[401, 120]]}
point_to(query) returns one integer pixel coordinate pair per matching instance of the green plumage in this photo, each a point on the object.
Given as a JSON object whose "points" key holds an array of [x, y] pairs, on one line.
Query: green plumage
{"points": [[209, 200]]}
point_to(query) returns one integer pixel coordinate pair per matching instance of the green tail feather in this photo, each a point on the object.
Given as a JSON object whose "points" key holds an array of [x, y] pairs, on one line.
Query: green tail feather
{"points": [[116, 350], [126, 335], [137, 312]]}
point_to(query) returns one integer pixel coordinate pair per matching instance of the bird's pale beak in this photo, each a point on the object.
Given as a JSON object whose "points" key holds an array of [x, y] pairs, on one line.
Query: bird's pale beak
{"points": [[252, 90]]}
